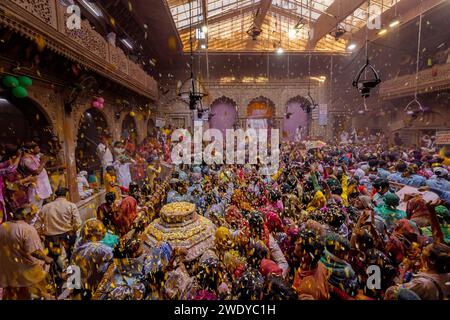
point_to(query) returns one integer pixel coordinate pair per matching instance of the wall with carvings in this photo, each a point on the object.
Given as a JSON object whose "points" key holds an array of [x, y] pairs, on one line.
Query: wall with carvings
{"points": [[66, 125], [45, 20], [177, 111]]}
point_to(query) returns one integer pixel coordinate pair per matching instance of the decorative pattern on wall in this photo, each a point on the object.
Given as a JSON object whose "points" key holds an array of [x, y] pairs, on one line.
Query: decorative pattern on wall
{"points": [[46, 20], [224, 100], [43, 9]]}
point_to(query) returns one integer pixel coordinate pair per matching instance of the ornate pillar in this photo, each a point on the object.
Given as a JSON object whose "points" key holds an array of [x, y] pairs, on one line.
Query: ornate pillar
{"points": [[70, 141]]}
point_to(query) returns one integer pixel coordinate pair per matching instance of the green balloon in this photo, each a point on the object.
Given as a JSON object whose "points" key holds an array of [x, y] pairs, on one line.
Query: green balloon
{"points": [[20, 92], [25, 81], [10, 82]]}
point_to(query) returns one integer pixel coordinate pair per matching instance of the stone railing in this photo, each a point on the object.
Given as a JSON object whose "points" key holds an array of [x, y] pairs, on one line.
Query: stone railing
{"points": [[47, 18], [432, 79]]}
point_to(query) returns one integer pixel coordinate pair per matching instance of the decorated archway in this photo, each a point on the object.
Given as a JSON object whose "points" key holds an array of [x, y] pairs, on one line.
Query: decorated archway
{"points": [[260, 113], [223, 114], [152, 130], [129, 129], [23, 120], [92, 126], [295, 119]]}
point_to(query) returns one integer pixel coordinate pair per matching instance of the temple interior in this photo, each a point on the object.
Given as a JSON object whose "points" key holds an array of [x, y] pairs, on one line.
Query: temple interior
{"points": [[289, 145]]}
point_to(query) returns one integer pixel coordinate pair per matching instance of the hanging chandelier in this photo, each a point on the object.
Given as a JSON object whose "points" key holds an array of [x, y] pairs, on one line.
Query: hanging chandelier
{"points": [[409, 109]]}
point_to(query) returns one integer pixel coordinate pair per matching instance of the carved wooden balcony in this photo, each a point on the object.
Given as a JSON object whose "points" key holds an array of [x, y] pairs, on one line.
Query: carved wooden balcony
{"points": [[429, 80], [47, 18]]}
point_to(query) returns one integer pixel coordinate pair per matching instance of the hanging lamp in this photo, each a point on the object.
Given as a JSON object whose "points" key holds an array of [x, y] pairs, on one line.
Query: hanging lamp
{"points": [[415, 101], [339, 31], [312, 104], [365, 85], [193, 96]]}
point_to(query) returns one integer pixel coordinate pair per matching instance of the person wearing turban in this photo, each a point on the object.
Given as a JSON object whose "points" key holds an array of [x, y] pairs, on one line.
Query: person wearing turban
{"points": [[443, 217], [310, 280], [92, 256], [260, 232], [388, 211], [417, 211], [223, 240], [236, 220], [234, 263]]}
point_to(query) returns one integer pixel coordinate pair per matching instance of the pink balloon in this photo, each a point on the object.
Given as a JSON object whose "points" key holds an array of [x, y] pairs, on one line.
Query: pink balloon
{"points": [[101, 106], [101, 100], [96, 104]]}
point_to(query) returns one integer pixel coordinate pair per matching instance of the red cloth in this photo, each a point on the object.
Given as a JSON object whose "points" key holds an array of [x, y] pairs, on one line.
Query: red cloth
{"points": [[126, 215], [269, 267], [234, 217], [274, 223]]}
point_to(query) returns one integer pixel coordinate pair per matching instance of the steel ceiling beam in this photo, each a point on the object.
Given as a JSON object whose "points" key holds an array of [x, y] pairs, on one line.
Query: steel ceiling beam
{"points": [[264, 6], [337, 12], [205, 12]]}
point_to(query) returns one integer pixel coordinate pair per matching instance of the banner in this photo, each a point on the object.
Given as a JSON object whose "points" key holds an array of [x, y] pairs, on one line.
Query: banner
{"points": [[442, 137]]}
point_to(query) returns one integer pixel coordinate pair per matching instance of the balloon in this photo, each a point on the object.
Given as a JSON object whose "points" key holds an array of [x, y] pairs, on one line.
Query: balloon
{"points": [[101, 106], [25, 81], [10, 82], [132, 113], [96, 104], [20, 92], [101, 100]]}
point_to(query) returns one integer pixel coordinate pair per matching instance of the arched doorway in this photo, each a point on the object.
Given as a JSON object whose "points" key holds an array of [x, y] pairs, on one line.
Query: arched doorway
{"points": [[223, 114], [22, 121], [152, 131], [129, 131], [295, 116], [260, 113], [92, 126]]}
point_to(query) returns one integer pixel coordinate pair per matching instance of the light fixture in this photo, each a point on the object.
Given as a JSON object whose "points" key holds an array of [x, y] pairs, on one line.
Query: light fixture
{"points": [[351, 46], [364, 85], [203, 46], [292, 34], [127, 43], [280, 50], [204, 29], [338, 32], [92, 8], [319, 79], [382, 31], [394, 23], [190, 90]]}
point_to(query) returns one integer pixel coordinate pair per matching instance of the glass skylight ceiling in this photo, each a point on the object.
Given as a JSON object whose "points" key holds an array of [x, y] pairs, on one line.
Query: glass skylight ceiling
{"points": [[286, 24]]}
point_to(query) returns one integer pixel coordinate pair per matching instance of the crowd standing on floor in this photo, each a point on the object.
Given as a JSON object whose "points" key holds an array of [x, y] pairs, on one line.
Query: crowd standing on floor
{"points": [[314, 230]]}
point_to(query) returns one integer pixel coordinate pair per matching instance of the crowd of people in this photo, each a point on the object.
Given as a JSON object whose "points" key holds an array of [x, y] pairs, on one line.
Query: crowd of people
{"points": [[330, 224]]}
